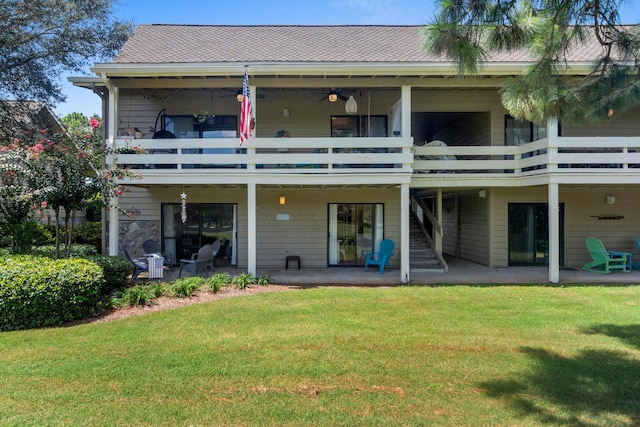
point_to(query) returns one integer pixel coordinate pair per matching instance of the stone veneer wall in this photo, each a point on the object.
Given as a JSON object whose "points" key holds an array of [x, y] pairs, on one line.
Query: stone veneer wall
{"points": [[134, 233]]}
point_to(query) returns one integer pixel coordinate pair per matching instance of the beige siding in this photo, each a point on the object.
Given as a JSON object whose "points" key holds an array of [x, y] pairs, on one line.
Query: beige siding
{"points": [[303, 234], [627, 124], [449, 226], [306, 232], [309, 114], [500, 199], [474, 228], [582, 204], [581, 207]]}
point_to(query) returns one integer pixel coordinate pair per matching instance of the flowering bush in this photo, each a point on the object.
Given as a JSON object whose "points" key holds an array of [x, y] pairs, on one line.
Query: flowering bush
{"points": [[40, 171]]}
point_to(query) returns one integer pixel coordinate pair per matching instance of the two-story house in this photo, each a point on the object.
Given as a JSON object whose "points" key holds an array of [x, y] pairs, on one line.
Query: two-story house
{"points": [[359, 136]]}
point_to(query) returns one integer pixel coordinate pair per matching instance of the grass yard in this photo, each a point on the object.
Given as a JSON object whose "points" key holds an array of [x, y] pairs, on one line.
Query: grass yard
{"points": [[503, 355]]}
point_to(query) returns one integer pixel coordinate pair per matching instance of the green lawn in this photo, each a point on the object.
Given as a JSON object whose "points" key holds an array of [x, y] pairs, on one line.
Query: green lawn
{"points": [[502, 355]]}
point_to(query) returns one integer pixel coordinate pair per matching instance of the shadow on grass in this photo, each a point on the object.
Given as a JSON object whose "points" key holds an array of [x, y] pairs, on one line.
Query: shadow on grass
{"points": [[595, 387]]}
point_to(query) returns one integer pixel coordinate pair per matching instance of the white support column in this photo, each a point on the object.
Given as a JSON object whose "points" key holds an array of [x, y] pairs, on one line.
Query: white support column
{"points": [[251, 228], [113, 228], [112, 125], [405, 94], [437, 237], [554, 234], [404, 233]]}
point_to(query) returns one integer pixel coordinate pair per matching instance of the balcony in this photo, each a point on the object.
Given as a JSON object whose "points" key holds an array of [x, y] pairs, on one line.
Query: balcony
{"points": [[382, 161]]}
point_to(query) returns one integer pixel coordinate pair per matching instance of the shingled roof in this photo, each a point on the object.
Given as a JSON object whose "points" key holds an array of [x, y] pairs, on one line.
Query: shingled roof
{"points": [[166, 44]]}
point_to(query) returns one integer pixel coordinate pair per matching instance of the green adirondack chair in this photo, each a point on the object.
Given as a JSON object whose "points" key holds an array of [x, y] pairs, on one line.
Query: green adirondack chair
{"points": [[603, 260]]}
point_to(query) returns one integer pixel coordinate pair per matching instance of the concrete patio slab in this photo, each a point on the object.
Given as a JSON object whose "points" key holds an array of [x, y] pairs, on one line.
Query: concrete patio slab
{"points": [[460, 272]]}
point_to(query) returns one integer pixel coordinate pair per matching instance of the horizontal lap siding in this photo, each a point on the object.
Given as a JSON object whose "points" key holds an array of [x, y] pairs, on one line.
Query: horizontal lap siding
{"points": [[305, 233], [500, 199], [627, 124], [617, 235], [149, 200], [474, 229], [580, 205], [309, 116], [449, 227]]}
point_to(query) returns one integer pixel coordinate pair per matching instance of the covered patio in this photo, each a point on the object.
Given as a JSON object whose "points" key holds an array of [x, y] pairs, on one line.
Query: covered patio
{"points": [[460, 272]]}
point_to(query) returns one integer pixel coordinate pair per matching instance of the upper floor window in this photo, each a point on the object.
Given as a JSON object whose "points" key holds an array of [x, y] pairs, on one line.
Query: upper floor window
{"points": [[356, 126], [219, 126], [519, 132]]}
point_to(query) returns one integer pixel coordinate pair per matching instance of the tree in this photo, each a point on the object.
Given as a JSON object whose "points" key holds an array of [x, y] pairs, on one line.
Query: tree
{"points": [[76, 123], [469, 31], [57, 172], [39, 40]]}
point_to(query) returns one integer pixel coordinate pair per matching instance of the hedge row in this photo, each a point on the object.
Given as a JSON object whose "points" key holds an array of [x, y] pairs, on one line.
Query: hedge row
{"points": [[39, 291]]}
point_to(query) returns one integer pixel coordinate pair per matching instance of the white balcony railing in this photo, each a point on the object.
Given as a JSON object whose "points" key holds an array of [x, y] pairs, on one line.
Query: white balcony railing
{"points": [[271, 155], [332, 156]]}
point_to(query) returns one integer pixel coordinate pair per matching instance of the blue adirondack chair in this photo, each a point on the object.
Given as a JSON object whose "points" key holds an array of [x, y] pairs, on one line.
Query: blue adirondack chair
{"points": [[380, 258]]}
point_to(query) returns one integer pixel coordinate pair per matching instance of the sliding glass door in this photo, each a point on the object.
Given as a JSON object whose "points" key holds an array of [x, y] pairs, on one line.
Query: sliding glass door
{"points": [[206, 223], [354, 228], [529, 234]]}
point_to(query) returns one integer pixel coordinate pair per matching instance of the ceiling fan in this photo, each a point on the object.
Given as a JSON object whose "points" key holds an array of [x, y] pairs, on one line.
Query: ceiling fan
{"points": [[333, 95]]}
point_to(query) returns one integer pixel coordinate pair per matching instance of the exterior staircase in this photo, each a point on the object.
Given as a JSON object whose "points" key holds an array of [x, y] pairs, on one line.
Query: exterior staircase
{"points": [[422, 257]]}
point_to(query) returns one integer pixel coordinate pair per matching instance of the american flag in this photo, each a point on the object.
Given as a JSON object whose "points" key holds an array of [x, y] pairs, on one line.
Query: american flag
{"points": [[246, 114]]}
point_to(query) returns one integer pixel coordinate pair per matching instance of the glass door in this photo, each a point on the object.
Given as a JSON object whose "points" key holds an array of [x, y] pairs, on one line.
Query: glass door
{"points": [[206, 223], [529, 234], [354, 229]]}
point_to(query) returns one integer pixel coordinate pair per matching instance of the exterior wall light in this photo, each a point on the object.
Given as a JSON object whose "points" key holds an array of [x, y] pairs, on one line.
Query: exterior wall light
{"points": [[283, 200]]}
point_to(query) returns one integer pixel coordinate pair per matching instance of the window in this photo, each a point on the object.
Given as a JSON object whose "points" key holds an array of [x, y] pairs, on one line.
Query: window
{"points": [[206, 223], [210, 127], [355, 126], [520, 132], [529, 234], [354, 229]]}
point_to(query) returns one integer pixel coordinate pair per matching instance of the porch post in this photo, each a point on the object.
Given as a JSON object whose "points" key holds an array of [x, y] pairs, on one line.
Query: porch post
{"points": [[251, 228], [405, 96], [112, 124], [437, 236], [554, 234], [113, 227], [404, 233]]}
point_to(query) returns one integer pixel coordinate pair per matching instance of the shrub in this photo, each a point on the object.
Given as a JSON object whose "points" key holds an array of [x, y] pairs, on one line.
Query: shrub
{"points": [[137, 295], [215, 282], [263, 280], [89, 233], [243, 280], [39, 291], [77, 251], [116, 270], [21, 237], [185, 286]]}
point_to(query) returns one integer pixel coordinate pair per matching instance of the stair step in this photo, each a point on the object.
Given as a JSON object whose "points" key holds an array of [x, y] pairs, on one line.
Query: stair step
{"points": [[422, 256]]}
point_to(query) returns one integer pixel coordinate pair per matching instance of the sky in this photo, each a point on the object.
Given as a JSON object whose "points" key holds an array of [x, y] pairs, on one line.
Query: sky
{"points": [[267, 12]]}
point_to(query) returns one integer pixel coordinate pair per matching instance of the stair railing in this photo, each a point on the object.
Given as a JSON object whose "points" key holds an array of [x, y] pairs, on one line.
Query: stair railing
{"points": [[436, 226]]}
